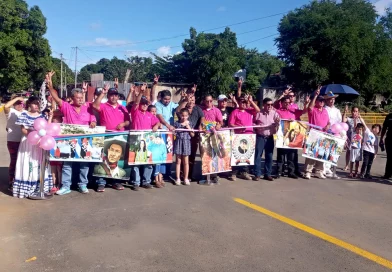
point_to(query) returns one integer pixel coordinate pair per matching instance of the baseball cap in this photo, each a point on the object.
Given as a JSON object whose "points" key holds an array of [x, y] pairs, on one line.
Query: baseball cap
{"points": [[144, 100], [112, 91], [222, 97]]}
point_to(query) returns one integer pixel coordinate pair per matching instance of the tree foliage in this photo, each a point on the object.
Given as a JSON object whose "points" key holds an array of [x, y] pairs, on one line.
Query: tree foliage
{"points": [[24, 52], [336, 42], [114, 68]]}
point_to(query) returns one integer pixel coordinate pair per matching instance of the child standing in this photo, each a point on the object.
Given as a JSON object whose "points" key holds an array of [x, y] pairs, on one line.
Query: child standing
{"points": [[355, 149], [370, 148], [56, 166], [182, 146], [157, 169]]}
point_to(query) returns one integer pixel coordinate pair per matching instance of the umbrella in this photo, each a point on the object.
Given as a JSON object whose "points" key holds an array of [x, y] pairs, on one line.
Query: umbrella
{"points": [[338, 89]]}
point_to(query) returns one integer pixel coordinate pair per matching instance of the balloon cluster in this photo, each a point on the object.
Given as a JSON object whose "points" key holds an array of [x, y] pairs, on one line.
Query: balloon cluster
{"points": [[43, 134], [340, 129]]}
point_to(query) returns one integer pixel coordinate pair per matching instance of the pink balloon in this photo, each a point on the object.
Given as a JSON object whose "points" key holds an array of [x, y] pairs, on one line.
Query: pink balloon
{"points": [[40, 123], [336, 128], [47, 142], [53, 129], [33, 138], [344, 126]]}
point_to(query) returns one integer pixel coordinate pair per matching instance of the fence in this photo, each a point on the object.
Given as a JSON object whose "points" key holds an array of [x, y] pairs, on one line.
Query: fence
{"points": [[369, 118]]}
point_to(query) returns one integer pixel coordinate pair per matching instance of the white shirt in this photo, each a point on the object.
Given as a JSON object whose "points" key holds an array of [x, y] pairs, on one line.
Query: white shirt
{"points": [[335, 116], [14, 132], [370, 142]]}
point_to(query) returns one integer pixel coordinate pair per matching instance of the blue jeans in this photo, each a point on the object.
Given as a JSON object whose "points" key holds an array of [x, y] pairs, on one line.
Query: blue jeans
{"points": [[67, 173], [264, 145], [147, 171]]}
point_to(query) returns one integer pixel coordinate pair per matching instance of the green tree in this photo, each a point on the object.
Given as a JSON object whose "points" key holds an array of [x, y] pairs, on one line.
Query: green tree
{"points": [[141, 68], [328, 41], [24, 52], [114, 68], [68, 74]]}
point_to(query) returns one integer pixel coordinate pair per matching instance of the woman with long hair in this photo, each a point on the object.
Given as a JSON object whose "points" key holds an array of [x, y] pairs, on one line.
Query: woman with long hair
{"points": [[28, 164], [141, 154]]}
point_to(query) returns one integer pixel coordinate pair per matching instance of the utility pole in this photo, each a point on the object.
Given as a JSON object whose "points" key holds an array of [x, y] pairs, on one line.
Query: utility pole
{"points": [[76, 61], [61, 68]]}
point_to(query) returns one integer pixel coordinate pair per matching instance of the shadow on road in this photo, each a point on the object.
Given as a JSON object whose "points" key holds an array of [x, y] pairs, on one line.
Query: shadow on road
{"points": [[4, 181]]}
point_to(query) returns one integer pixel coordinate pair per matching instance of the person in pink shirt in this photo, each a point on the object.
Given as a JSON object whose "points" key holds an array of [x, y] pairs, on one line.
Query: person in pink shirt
{"points": [[112, 115], [287, 113], [76, 113], [288, 92], [269, 119], [243, 117], [142, 120], [318, 116]]}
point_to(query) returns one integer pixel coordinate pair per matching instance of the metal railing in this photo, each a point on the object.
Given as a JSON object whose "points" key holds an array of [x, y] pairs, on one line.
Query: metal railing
{"points": [[370, 118]]}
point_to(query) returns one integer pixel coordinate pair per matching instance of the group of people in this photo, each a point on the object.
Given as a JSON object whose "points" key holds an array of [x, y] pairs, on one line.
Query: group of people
{"points": [[185, 119]]}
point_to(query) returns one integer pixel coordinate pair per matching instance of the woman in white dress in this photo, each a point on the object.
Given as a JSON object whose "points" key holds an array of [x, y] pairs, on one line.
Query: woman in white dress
{"points": [[27, 172]]}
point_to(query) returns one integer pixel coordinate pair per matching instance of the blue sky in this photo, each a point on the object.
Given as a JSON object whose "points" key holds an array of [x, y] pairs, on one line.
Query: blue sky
{"points": [[122, 27]]}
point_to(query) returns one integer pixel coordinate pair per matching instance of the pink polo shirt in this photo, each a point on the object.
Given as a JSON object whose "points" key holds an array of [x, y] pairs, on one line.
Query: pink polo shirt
{"points": [[142, 121], [213, 114], [290, 114], [317, 117], [111, 116], [243, 118], [71, 116]]}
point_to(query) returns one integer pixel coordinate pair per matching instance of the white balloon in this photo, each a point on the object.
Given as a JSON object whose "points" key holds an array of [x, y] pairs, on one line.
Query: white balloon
{"points": [[42, 132]]}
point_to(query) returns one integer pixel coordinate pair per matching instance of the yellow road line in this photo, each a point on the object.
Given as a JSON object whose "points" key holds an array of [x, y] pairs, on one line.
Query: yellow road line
{"points": [[319, 234]]}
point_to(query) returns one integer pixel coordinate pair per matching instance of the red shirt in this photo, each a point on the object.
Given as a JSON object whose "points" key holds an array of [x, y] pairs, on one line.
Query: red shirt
{"points": [[142, 120], [243, 118], [71, 116], [112, 116], [317, 117]]}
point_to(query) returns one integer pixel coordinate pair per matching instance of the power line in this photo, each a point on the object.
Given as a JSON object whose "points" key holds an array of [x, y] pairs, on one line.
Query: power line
{"points": [[84, 53], [182, 35], [260, 39]]}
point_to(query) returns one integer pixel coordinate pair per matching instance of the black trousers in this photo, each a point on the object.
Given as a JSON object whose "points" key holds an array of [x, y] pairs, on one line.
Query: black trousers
{"points": [[367, 158], [291, 156], [388, 166], [195, 141]]}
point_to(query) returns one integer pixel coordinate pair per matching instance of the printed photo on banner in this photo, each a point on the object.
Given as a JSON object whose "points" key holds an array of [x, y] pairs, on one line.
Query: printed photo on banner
{"points": [[83, 148], [114, 164], [215, 152], [291, 134], [243, 149], [68, 129], [208, 126], [323, 147], [147, 147]]}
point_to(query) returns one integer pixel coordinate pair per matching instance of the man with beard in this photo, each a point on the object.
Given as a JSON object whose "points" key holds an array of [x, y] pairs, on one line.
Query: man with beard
{"points": [[76, 113], [114, 149]]}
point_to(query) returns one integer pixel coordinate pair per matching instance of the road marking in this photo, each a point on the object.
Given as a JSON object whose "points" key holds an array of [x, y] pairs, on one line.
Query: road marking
{"points": [[319, 234]]}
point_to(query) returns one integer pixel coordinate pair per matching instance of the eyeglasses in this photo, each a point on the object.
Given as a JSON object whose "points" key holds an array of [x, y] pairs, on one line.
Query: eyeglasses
{"points": [[269, 104]]}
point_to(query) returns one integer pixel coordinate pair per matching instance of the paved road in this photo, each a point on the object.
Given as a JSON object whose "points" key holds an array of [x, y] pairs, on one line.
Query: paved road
{"points": [[199, 228]]}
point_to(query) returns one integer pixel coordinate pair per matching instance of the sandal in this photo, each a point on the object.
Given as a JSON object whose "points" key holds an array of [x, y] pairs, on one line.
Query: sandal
{"points": [[118, 186], [351, 175]]}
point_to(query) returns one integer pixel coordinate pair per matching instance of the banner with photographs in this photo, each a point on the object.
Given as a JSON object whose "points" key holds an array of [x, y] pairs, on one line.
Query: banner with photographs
{"points": [[243, 149], [114, 164], [68, 129], [323, 147], [291, 134], [148, 147], [215, 152]]}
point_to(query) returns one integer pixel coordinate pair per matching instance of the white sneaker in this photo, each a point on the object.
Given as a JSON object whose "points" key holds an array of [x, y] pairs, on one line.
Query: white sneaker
{"points": [[320, 175], [177, 182], [334, 176], [307, 176], [186, 182]]}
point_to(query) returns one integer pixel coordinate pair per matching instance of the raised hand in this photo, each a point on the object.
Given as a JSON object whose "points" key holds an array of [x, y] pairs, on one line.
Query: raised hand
{"points": [[136, 91], [250, 98], [346, 108], [132, 89], [48, 79], [307, 99], [106, 88], [116, 82], [84, 86], [194, 88], [240, 82], [156, 78], [317, 92]]}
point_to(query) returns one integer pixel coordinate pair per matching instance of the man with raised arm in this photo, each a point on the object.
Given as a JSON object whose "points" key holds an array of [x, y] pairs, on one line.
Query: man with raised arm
{"points": [[142, 120], [318, 116], [77, 113]]}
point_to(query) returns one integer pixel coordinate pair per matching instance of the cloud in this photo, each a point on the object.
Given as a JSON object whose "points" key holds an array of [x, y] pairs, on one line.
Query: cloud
{"points": [[163, 51], [133, 53], [382, 5], [107, 42], [95, 26], [221, 9]]}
